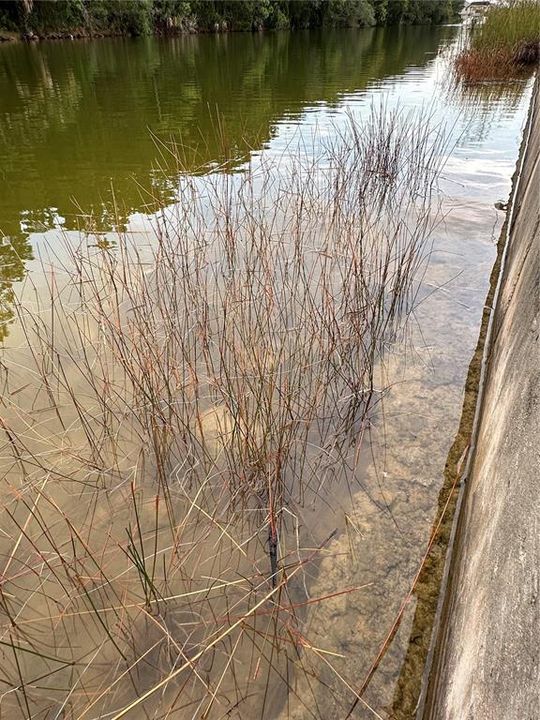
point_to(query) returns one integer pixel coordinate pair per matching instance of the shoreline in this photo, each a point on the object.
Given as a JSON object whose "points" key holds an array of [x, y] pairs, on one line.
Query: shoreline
{"points": [[10, 37]]}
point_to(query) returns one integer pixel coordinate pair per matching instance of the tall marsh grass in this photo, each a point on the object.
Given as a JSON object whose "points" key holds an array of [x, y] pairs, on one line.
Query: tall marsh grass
{"points": [[174, 407], [504, 44]]}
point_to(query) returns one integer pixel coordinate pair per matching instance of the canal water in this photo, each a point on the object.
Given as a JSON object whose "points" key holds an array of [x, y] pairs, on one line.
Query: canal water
{"points": [[97, 141]]}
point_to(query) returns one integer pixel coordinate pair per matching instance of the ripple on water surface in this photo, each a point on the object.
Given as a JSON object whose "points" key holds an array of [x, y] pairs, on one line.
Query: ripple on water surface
{"points": [[103, 135]]}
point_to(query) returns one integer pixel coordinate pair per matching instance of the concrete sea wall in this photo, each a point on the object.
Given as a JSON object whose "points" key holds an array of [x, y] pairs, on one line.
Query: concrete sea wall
{"points": [[485, 659]]}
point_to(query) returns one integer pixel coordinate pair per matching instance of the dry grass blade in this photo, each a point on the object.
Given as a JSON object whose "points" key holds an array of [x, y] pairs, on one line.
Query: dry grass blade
{"points": [[191, 397]]}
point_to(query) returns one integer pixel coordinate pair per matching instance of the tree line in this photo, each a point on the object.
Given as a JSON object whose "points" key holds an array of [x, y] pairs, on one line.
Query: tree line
{"points": [[143, 17]]}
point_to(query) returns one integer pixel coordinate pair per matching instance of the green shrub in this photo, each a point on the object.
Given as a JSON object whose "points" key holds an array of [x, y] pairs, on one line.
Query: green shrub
{"points": [[56, 15], [133, 18], [140, 17], [9, 17], [348, 13]]}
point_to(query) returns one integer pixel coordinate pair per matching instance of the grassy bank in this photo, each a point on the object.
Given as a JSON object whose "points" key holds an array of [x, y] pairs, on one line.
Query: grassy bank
{"points": [[82, 18], [505, 43]]}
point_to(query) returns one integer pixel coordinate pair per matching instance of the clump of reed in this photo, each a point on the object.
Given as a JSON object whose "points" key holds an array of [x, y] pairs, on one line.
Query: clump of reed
{"points": [[504, 45], [174, 406]]}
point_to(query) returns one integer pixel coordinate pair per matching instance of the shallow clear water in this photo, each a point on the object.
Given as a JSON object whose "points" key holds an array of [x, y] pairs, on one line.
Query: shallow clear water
{"points": [[81, 121]]}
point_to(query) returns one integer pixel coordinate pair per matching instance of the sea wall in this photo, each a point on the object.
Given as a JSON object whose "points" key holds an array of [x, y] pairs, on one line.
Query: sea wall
{"points": [[485, 657]]}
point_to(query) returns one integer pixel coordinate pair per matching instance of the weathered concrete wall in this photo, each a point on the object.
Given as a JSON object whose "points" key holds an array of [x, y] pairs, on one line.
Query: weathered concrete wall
{"points": [[486, 658]]}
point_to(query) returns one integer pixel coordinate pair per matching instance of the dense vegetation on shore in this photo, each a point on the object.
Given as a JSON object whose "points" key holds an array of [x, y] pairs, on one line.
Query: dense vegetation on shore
{"points": [[142, 17], [505, 43]]}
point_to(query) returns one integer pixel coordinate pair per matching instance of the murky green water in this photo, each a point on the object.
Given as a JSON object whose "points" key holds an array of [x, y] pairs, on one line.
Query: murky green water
{"points": [[78, 117], [88, 127], [107, 129]]}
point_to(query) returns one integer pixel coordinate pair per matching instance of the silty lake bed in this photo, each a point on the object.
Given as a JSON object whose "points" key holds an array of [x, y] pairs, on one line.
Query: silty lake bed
{"points": [[106, 140]]}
